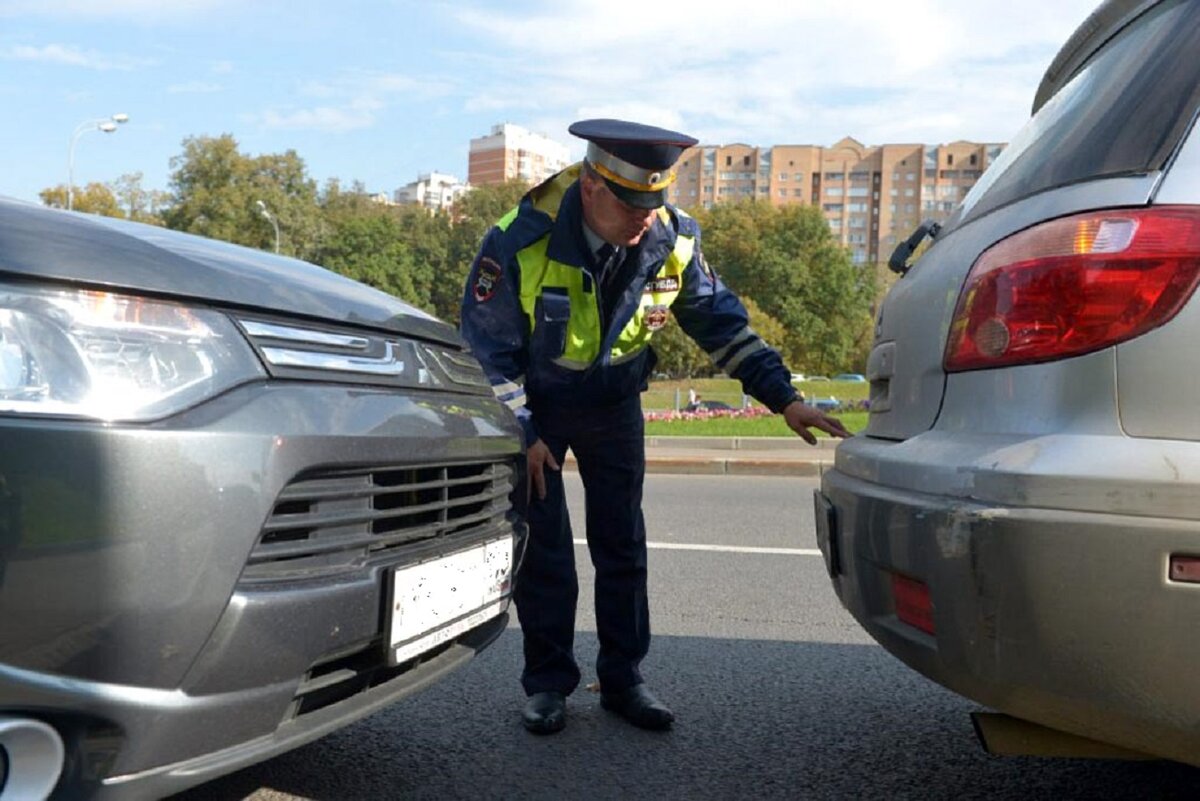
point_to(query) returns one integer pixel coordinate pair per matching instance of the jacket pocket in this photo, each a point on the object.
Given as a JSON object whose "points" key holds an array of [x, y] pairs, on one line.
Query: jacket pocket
{"points": [[553, 318]]}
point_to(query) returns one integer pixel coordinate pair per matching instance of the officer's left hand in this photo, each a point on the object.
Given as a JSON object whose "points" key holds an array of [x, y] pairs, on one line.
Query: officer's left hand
{"points": [[800, 417]]}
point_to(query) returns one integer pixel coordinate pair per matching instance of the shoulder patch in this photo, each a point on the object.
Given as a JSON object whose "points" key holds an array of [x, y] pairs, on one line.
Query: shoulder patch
{"points": [[487, 279]]}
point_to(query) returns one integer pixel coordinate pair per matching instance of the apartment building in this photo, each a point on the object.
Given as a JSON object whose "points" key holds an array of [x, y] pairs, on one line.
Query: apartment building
{"points": [[511, 152], [433, 190], [872, 197]]}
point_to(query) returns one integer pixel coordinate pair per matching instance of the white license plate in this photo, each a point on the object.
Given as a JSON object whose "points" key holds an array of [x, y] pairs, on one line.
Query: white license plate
{"points": [[435, 601]]}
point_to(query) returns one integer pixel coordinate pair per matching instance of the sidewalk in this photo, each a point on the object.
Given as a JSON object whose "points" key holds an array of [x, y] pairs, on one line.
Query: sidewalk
{"points": [[742, 456]]}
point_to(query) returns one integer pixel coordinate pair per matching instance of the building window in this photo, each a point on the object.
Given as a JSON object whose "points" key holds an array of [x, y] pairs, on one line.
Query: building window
{"points": [[799, 176], [834, 176], [974, 159], [745, 161], [860, 176], [859, 191], [832, 207], [949, 159], [783, 193], [798, 192], [833, 191], [729, 161], [783, 176], [908, 192]]}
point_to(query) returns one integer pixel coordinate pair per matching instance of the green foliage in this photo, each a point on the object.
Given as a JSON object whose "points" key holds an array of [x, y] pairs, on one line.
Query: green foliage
{"points": [[785, 259], [95, 198], [137, 203], [371, 249], [215, 190]]}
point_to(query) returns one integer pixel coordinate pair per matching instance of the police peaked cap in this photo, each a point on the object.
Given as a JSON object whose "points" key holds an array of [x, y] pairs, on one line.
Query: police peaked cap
{"points": [[635, 160]]}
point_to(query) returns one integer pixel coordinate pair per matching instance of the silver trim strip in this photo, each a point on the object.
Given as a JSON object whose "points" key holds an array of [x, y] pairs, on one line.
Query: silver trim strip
{"points": [[308, 336], [388, 365]]}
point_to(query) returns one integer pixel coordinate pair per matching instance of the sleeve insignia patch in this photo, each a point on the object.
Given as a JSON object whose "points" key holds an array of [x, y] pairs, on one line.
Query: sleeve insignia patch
{"points": [[487, 279]]}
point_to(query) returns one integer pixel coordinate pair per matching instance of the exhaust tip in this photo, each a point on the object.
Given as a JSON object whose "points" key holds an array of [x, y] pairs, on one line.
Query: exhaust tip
{"points": [[32, 758], [1004, 735]]}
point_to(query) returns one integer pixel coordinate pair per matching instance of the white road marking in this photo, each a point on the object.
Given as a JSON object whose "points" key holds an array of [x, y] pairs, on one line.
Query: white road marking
{"points": [[689, 546]]}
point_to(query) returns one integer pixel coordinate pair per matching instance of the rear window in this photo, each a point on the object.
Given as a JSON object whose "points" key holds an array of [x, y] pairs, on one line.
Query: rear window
{"points": [[1122, 114]]}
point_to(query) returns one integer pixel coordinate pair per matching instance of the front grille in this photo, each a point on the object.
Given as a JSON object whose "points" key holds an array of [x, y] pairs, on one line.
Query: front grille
{"points": [[336, 519]]}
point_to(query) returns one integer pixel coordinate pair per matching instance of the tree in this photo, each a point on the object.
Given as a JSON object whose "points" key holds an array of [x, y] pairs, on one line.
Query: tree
{"points": [[137, 203], [95, 198], [370, 248], [215, 190], [785, 259]]}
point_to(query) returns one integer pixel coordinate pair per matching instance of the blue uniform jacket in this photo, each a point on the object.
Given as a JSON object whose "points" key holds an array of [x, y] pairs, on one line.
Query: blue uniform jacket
{"points": [[525, 378]]}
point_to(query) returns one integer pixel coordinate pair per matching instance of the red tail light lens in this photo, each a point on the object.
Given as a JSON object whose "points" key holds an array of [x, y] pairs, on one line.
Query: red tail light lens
{"points": [[914, 606], [1075, 285]]}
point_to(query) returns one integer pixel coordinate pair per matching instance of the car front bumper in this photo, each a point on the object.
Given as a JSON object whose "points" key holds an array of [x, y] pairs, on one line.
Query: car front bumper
{"points": [[1062, 616], [156, 608]]}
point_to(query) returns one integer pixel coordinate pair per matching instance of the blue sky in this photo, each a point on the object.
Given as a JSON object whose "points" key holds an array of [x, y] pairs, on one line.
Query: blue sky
{"points": [[381, 90]]}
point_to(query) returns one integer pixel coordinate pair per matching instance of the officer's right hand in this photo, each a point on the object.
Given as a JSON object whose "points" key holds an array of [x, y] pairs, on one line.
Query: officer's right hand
{"points": [[537, 458]]}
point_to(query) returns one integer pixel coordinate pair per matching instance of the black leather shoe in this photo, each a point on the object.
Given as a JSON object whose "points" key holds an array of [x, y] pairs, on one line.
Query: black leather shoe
{"points": [[639, 706], [545, 713]]}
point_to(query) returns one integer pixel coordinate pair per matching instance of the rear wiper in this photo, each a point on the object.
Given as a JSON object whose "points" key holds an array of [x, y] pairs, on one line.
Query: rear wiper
{"points": [[898, 263]]}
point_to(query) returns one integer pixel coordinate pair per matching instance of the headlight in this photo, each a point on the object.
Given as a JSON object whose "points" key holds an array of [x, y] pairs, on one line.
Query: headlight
{"points": [[113, 357]]}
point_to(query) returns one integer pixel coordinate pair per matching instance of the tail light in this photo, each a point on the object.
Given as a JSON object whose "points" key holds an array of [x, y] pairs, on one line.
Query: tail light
{"points": [[914, 605], [1074, 285]]}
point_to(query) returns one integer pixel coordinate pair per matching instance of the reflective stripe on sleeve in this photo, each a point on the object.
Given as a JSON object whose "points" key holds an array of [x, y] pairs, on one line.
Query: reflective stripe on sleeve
{"points": [[744, 335], [507, 388], [735, 362]]}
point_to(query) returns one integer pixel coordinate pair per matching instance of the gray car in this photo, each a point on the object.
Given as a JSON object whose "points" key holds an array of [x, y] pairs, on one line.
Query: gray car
{"points": [[243, 502], [1020, 520]]}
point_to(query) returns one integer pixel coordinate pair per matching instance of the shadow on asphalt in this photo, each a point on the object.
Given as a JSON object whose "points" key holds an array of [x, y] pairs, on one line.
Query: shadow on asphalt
{"points": [[756, 719]]}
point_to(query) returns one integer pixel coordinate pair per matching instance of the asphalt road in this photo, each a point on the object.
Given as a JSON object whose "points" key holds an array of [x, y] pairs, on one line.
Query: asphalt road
{"points": [[777, 694]]}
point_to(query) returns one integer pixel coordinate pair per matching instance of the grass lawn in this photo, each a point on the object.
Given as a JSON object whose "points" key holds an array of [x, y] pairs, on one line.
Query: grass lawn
{"points": [[772, 426], [663, 395]]}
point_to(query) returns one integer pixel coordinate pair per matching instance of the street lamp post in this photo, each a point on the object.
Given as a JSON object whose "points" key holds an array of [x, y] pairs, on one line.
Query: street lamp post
{"points": [[107, 126], [262, 209]]}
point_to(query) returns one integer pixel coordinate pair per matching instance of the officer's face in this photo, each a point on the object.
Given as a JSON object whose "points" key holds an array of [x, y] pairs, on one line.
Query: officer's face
{"points": [[615, 221]]}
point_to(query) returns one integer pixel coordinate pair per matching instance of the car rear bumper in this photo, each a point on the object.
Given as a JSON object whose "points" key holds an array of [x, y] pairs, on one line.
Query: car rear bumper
{"points": [[1062, 616]]}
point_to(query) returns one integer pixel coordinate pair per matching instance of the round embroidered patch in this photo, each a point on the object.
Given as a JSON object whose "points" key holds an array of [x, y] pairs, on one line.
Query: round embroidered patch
{"points": [[655, 316], [487, 279]]}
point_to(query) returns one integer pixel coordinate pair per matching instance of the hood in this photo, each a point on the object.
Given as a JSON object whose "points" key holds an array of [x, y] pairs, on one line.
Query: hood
{"points": [[106, 253]]}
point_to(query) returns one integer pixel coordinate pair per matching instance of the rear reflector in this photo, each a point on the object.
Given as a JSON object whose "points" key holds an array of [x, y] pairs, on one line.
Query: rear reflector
{"points": [[913, 605], [1075, 285], [1185, 568]]}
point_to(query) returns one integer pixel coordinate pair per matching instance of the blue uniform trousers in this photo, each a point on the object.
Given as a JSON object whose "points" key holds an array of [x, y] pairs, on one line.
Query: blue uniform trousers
{"points": [[609, 448]]}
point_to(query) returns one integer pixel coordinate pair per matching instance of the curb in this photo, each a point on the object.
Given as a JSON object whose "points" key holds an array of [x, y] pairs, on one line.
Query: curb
{"points": [[722, 466]]}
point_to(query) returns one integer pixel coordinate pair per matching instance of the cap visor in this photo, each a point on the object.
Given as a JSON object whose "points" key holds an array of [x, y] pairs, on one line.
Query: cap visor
{"points": [[640, 200]]}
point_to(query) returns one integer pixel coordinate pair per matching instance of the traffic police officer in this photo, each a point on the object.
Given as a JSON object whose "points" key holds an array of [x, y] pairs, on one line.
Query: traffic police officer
{"points": [[560, 307]]}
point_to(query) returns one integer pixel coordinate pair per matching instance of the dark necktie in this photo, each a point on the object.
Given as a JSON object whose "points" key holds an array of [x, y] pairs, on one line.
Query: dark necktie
{"points": [[608, 268]]}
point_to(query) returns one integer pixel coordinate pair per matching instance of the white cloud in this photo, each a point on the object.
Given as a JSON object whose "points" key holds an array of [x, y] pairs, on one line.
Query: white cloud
{"points": [[354, 100], [73, 57], [810, 71]]}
